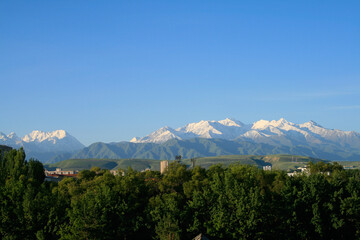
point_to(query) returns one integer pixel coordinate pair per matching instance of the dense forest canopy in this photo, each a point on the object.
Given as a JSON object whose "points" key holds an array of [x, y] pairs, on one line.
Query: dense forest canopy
{"points": [[235, 202]]}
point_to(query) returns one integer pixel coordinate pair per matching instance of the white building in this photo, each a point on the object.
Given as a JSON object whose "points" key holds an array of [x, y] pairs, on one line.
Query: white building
{"points": [[267, 168], [59, 171]]}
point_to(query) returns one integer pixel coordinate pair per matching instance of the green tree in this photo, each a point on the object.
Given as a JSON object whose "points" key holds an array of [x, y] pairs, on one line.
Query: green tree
{"points": [[36, 171]]}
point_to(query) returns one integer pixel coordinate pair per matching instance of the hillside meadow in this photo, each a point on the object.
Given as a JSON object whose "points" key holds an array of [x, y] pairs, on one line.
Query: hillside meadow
{"points": [[278, 162]]}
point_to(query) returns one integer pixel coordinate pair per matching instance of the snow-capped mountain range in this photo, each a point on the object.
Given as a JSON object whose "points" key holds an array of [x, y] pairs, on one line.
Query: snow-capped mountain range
{"points": [[42, 142], [204, 138], [280, 132]]}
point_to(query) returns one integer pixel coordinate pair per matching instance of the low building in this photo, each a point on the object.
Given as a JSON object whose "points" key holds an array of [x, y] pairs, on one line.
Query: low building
{"points": [[59, 171], [303, 169], [59, 174], [300, 170], [117, 172], [267, 168], [291, 174]]}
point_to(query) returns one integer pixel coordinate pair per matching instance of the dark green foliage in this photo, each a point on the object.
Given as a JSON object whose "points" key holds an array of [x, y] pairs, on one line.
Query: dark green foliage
{"points": [[322, 167], [5, 148], [24, 197], [233, 202], [86, 175], [36, 171]]}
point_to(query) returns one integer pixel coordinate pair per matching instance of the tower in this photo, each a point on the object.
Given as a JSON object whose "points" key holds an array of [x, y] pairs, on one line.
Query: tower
{"points": [[193, 160], [163, 166]]}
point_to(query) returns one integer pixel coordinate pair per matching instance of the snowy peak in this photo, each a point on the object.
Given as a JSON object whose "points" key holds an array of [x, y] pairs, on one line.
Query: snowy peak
{"points": [[226, 129], [162, 135], [11, 139], [12, 135], [281, 123], [39, 136], [2, 137], [39, 141], [314, 123], [202, 128], [311, 124], [276, 132], [261, 124], [231, 122], [135, 139]]}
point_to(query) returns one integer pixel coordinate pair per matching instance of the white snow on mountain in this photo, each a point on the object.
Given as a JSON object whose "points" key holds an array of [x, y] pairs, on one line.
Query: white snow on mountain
{"points": [[11, 139], [39, 136], [38, 141], [227, 129], [280, 132], [161, 135]]}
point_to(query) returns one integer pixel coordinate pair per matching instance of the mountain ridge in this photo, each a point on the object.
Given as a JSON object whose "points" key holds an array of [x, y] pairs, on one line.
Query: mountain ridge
{"points": [[275, 132], [200, 139], [203, 147], [43, 145]]}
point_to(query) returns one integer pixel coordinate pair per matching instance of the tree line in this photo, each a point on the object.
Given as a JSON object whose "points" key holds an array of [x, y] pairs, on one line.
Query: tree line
{"points": [[235, 202]]}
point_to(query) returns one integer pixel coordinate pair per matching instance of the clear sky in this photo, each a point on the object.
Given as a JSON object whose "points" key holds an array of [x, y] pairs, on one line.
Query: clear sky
{"points": [[111, 70]]}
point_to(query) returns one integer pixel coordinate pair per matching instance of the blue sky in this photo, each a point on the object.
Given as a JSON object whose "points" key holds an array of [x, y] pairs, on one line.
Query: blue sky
{"points": [[111, 70]]}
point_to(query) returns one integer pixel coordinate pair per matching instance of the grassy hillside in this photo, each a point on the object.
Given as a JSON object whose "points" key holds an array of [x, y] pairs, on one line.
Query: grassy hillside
{"points": [[278, 161], [80, 164], [289, 162], [226, 160]]}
